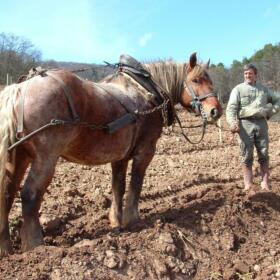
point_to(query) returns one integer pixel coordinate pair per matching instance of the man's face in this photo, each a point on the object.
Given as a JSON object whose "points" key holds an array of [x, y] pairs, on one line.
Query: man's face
{"points": [[250, 77]]}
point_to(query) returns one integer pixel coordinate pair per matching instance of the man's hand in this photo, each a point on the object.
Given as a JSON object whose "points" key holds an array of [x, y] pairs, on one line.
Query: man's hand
{"points": [[235, 128]]}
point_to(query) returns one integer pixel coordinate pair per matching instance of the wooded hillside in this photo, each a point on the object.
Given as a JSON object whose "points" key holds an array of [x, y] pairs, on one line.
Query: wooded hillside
{"points": [[18, 55], [267, 61]]}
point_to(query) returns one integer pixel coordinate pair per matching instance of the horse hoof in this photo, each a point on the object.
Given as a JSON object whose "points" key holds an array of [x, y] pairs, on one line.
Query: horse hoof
{"points": [[29, 245], [251, 193], [130, 221], [116, 231], [265, 188], [5, 251]]}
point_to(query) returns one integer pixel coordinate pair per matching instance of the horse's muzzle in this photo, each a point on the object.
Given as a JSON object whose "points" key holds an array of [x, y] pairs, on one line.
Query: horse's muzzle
{"points": [[213, 115]]}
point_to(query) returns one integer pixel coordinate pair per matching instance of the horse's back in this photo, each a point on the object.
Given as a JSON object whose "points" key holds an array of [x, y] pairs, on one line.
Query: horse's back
{"points": [[96, 105]]}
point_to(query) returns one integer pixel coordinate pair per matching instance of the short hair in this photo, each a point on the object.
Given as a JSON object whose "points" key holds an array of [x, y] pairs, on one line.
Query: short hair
{"points": [[250, 66]]}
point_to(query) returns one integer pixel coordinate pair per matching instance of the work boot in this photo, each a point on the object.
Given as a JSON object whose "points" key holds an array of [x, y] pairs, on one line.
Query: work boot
{"points": [[248, 177], [265, 176]]}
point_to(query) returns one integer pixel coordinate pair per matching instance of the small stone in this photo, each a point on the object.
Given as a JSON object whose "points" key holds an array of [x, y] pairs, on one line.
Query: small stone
{"points": [[50, 223], [205, 229], [160, 267], [171, 263], [166, 238], [111, 262], [241, 267], [184, 271], [273, 253], [100, 258], [227, 240], [257, 268], [110, 253], [270, 270], [83, 243], [171, 250]]}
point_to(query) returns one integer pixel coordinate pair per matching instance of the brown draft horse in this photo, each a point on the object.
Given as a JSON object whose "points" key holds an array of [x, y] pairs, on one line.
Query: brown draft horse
{"points": [[95, 103]]}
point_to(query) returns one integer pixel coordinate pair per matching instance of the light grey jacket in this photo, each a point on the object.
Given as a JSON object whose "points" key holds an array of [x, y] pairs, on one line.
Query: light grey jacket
{"points": [[251, 101]]}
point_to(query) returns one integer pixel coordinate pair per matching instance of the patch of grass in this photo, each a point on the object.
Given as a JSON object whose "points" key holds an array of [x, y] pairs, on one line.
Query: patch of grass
{"points": [[245, 276], [216, 276], [14, 224]]}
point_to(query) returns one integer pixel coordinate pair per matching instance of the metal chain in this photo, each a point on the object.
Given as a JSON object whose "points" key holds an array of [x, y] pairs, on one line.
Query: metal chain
{"points": [[164, 111], [150, 111], [203, 113]]}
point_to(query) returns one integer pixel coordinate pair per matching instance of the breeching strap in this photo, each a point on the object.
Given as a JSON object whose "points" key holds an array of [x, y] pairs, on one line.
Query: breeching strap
{"points": [[67, 91]]}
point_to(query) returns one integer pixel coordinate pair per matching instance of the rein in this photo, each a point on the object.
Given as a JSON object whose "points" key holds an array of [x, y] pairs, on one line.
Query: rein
{"points": [[197, 105]]}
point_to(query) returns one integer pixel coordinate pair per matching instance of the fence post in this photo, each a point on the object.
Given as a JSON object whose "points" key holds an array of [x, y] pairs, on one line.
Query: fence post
{"points": [[7, 79], [219, 122]]}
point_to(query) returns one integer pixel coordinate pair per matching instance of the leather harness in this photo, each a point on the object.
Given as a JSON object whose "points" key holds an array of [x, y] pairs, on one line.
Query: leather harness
{"points": [[128, 66]]}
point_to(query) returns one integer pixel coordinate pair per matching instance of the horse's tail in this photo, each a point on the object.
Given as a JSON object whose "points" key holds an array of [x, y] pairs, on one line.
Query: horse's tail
{"points": [[8, 98]]}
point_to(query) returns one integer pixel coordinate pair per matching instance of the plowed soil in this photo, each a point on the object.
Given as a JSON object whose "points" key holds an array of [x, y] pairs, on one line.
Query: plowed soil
{"points": [[196, 220]]}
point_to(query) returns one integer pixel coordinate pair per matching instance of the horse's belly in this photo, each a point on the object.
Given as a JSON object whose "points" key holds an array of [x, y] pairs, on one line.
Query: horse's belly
{"points": [[100, 148]]}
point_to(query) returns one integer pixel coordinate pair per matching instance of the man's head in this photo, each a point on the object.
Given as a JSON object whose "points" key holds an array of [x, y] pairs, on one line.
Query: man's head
{"points": [[250, 73]]}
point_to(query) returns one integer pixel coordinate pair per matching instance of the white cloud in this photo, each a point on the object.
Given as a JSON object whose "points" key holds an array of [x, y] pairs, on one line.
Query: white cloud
{"points": [[143, 41]]}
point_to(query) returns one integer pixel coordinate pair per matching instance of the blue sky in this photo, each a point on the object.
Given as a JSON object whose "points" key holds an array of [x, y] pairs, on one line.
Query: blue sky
{"points": [[96, 30]]}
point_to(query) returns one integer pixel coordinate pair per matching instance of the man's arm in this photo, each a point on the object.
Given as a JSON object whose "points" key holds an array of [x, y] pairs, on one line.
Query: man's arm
{"points": [[275, 101], [232, 111]]}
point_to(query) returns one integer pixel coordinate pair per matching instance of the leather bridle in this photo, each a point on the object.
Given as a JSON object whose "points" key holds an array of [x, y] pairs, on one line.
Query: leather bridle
{"points": [[196, 103], [197, 106]]}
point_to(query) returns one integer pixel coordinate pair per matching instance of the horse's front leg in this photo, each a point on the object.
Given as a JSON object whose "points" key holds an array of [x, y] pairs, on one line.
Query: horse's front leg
{"points": [[139, 166], [118, 187], [14, 177], [38, 179]]}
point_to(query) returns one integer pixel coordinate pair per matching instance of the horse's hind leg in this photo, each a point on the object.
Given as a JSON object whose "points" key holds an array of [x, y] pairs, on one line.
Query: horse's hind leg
{"points": [[139, 166], [118, 187], [39, 177], [14, 180]]}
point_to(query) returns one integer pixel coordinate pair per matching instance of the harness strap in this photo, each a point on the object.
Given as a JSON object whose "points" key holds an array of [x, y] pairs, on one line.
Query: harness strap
{"points": [[25, 138], [19, 132], [115, 97], [68, 92]]}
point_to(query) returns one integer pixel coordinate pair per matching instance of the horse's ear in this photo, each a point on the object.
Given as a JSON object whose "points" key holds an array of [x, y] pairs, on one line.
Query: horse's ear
{"points": [[193, 60]]}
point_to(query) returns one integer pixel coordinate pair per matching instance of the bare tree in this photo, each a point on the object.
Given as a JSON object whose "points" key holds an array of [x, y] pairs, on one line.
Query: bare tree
{"points": [[220, 76], [17, 56]]}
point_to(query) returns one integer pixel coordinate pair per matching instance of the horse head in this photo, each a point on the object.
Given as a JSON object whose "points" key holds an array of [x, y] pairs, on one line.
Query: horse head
{"points": [[198, 95]]}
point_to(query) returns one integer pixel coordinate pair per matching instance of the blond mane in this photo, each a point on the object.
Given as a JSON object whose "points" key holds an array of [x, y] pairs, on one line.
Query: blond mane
{"points": [[169, 75]]}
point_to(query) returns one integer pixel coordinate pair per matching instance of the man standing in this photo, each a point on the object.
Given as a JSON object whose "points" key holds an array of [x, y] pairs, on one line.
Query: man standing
{"points": [[250, 104]]}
